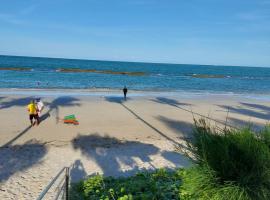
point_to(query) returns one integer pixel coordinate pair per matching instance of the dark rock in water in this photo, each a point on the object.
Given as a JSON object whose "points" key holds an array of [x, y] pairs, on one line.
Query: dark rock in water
{"points": [[101, 72], [15, 69]]}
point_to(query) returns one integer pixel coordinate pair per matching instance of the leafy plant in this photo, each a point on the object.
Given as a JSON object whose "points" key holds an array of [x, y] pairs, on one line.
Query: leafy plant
{"points": [[157, 185]]}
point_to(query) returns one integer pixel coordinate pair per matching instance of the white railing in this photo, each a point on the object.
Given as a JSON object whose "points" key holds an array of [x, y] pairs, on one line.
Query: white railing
{"points": [[61, 189]]}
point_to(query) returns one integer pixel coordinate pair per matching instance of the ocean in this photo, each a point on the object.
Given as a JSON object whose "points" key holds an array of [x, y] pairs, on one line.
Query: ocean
{"points": [[53, 73]]}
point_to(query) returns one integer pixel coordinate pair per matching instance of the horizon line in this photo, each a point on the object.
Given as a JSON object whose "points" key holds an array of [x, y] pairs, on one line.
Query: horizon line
{"points": [[148, 62]]}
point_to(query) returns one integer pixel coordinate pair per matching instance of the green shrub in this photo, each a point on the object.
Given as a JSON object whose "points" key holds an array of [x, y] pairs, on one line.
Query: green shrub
{"points": [[232, 162], [201, 183], [265, 135], [158, 185]]}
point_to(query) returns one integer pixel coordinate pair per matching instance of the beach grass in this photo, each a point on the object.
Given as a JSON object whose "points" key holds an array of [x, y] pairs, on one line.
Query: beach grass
{"points": [[231, 164]]}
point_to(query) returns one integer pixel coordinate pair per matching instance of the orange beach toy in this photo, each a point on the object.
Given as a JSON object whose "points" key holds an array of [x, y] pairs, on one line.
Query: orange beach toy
{"points": [[70, 119]]}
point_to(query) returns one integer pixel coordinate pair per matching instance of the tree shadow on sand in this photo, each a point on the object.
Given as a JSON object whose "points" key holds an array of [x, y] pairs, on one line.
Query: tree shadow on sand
{"points": [[263, 108], [53, 107], [171, 102], [18, 136], [177, 144], [242, 123], [64, 101], [111, 154], [20, 157], [175, 103], [248, 109], [113, 99], [15, 102], [180, 127]]}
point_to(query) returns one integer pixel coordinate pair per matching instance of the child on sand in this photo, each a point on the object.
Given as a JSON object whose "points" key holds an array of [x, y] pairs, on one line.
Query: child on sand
{"points": [[32, 109], [39, 106]]}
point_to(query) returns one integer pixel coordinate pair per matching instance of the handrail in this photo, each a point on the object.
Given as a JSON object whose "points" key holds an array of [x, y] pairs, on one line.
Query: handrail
{"points": [[44, 192]]}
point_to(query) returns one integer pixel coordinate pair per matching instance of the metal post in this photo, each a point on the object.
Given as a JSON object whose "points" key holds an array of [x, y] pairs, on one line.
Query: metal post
{"points": [[67, 182]]}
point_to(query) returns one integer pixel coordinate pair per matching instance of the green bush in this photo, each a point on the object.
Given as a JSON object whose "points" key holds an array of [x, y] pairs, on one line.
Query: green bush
{"points": [[157, 185], [200, 183], [265, 135], [232, 164]]}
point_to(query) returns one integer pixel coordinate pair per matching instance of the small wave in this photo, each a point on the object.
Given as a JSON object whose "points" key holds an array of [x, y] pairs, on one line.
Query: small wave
{"points": [[208, 76], [254, 78]]}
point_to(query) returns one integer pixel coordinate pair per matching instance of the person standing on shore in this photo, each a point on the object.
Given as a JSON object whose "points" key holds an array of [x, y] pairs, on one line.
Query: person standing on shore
{"points": [[125, 90], [32, 109]]}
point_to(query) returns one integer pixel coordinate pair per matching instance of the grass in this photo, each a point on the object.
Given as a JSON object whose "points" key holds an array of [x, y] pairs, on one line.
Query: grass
{"points": [[230, 165]]}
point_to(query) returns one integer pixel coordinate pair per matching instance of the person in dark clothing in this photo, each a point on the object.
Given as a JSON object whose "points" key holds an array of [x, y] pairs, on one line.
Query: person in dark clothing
{"points": [[125, 90]]}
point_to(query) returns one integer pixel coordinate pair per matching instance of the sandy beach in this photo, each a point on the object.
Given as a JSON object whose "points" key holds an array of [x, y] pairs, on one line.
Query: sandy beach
{"points": [[114, 137]]}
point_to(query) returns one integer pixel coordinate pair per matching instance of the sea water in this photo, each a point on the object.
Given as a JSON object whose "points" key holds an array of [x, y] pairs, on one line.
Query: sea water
{"points": [[44, 73]]}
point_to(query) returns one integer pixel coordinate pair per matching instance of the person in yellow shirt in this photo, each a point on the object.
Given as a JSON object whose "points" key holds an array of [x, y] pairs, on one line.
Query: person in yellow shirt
{"points": [[33, 114]]}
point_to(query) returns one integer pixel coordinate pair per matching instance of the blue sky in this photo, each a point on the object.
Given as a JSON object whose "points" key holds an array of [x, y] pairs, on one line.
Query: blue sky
{"points": [[221, 32]]}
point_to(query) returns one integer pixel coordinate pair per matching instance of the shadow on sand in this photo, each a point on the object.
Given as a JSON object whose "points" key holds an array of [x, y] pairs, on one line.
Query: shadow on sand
{"points": [[263, 108], [111, 154], [242, 123], [18, 136], [53, 107], [77, 172], [248, 109], [20, 157], [60, 102], [173, 141], [171, 102], [116, 99], [15, 102], [180, 127], [120, 102], [178, 105]]}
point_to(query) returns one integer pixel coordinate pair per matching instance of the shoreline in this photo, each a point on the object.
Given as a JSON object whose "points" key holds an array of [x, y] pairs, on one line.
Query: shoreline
{"points": [[107, 92]]}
